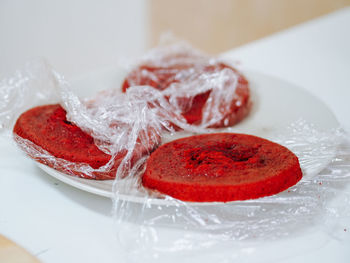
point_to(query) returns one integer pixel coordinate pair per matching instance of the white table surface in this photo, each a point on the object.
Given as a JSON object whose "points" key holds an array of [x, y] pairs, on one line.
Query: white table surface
{"points": [[59, 223]]}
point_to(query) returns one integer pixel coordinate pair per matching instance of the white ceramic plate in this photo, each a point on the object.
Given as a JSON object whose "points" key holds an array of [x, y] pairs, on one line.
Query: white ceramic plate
{"points": [[277, 103]]}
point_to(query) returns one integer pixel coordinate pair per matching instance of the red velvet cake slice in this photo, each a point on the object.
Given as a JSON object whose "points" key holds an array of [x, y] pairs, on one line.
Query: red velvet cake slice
{"points": [[221, 167], [182, 71], [47, 127]]}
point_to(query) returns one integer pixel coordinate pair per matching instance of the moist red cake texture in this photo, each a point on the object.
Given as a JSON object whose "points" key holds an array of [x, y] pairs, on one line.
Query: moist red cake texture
{"points": [[162, 76], [47, 127], [221, 167]]}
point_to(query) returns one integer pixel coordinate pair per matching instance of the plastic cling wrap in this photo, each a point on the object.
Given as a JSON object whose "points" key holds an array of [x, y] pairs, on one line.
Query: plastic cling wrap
{"points": [[112, 124], [125, 126], [129, 125], [176, 230], [207, 92]]}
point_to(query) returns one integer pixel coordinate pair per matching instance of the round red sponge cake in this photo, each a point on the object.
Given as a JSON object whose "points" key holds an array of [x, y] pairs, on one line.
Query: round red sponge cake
{"points": [[162, 75], [47, 127], [221, 167]]}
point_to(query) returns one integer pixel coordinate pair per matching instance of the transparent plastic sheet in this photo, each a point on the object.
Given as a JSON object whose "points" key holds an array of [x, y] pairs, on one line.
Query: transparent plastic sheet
{"points": [[121, 124], [181, 73], [30, 86], [161, 226], [174, 230]]}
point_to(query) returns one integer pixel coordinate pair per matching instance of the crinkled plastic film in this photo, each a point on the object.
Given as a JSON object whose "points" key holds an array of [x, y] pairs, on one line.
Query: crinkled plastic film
{"points": [[31, 86], [189, 73], [161, 227], [177, 229], [121, 124]]}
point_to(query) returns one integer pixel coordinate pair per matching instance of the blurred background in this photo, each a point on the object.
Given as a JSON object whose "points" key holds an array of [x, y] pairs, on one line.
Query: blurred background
{"points": [[78, 36]]}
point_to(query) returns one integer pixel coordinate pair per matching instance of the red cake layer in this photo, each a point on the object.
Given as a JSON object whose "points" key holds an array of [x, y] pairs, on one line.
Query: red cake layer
{"points": [[221, 167], [182, 72], [47, 127]]}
